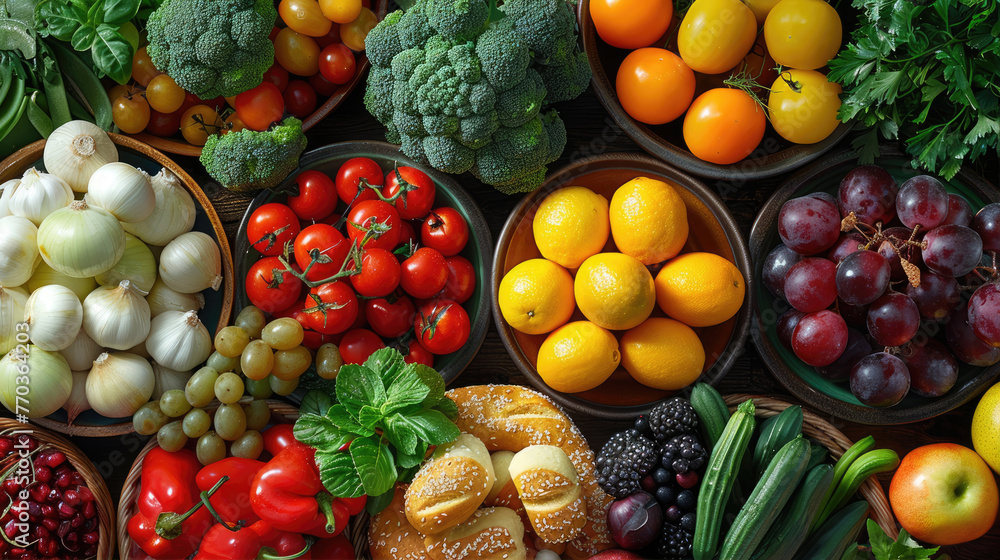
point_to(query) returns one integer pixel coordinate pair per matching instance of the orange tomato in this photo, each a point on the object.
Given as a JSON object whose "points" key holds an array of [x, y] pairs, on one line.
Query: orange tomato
{"points": [[654, 85], [630, 24], [724, 126], [340, 11], [143, 70], [297, 53], [353, 34], [305, 17]]}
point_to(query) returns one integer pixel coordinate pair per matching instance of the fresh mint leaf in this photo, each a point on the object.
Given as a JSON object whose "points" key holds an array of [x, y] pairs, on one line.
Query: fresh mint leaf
{"points": [[430, 426], [407, 388], [358, 386], [375, 465], [369, 416], [338, 473], [880, 542], [410, 460], [401, 436], [343, 419], [315, 402], [387, 363], [903, 548], [376, 504], [118, 12], [83, 37], [434, 382], [447, 407], [320, 432]]}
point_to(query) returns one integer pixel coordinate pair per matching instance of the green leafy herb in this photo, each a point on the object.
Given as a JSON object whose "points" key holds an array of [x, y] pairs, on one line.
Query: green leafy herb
{"points": [[390, 413], [903, 548], [926, 72], [94, 25]]}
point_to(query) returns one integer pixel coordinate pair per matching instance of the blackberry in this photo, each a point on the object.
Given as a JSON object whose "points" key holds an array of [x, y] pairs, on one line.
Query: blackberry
{"points": [[687, 500], [688, 522], [674, 542], [683, 453], [642, 425], [624, 461], [673, 418]]}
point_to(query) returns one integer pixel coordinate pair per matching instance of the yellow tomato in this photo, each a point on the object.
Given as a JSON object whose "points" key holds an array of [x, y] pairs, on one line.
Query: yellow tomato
{"points": [[760, 8], [340, 11], [143, 70], [803, 34], [353, 34], [297, 53], [715, 35], [803, 106], [198, 122], [305, 17]]}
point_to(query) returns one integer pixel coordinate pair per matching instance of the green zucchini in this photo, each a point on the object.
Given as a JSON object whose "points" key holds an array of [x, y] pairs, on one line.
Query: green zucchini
{"points": [[836, 534], [765, 503], [871, 463], [711, 410], [818, 455], [858, 449], [775, 432], [792, 526], [717, 482]]}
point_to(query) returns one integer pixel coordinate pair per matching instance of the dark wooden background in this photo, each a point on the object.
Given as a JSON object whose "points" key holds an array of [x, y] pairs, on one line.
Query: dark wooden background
{"points": [[591, 131]]}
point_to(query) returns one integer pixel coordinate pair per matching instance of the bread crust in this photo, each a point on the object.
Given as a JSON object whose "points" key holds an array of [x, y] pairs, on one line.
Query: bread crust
{"points": [[390, 535], [489, 534], [549, 488]]}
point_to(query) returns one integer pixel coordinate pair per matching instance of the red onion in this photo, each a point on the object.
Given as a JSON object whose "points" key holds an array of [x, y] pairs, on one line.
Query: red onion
{"points": [[635, 521]]}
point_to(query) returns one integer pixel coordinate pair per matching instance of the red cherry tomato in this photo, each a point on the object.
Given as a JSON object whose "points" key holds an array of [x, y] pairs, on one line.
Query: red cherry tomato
{"points": [[424, 274], [331, 247], [322, 86], [311, 339], [418, 192], [300, 99], [358, 344], [461, 279], [278, 437], [270, 286], [390, 317], [164, 124], [445, 230], [274, 33], [190, 100], [336, 63], [277, 76], [418, 355], [351, 173], [442, 326], [270, 227], [379, 274], [407, 234], [335, 548], [331, 307], [368, 213], [260, 106], [331, 37], [317, 196]]}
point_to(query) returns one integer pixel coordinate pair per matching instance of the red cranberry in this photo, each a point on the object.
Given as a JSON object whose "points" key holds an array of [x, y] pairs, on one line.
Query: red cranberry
{"points": [[39, 492], [34, 510], [72, 497], [10, 486], [6, 446], [43, 474], [63, 479], [90, 538], [688, 479], [53, 496], [77, 521], [76, 479], [85, 494], [55, 459], [49, 512], [674, 514], [10, 529], [50, 524], [89, 511], [65, 510], [63, 529]]}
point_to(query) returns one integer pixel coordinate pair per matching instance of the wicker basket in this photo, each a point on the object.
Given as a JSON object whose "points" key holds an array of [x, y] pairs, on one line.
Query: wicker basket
{"points": [[94, 481], [830, 437], [281, 413]]}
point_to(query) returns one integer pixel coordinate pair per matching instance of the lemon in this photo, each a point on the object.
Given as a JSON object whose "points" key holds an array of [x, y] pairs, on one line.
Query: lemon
{"points": [[663, 354], [615, 291], [577, 356], [648, 220], [536, 296], [986, 427], [570, 225], [700, 289]]}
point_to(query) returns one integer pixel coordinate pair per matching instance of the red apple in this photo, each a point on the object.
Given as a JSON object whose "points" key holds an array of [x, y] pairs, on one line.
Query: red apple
{"points": [[615, 554], [944, 494]]}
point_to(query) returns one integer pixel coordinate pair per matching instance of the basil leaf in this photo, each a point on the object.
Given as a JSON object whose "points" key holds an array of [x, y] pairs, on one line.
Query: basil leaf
{"points": [[315, 402], [387, 363], [59, 19], [339, 476], [400, 435], [407, 389], [320, 432], [369, 417], [412, 458], [376, 504], [119, 11], [447, 407], [343, 419], [22, 11], [95, 15], [358, 386], [430, 426], [434, 382], [375, 465], [112, 53], [83, 38]]}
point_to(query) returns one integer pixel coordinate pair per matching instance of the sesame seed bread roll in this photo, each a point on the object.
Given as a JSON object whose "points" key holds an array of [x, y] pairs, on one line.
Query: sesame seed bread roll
{"points": [[490, 534], [450, 486], [511, 417], [549, 488], [390, 535], [504, 493]]}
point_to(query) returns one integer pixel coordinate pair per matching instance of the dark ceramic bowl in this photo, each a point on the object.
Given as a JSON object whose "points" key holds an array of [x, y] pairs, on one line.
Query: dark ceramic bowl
{"points": [[328, 160], [712, 229], [802, 380], [773, 156]]}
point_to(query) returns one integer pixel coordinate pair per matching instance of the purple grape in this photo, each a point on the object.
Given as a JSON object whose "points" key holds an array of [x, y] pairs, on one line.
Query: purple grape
{"points": [[786, 326], [880, 380], [824, 196], [857, 347], [936, 296], [896, 238], [811, 285], [854, 315], [987, 225], [775, 267], [933, 369], [893, 319], [870, 192], [862, 277], [819, 338], [963, 340], [847, 244], [984, 313], [959, 211], [809, 224], [952, 250], [923, 201]]}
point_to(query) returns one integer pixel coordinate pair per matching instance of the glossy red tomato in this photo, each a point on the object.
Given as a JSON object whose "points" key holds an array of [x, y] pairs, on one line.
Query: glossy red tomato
{"points": [[331, 37], [277, 76], [300, 99], [278, 437], [270, 227], [336, 63], [317, 196], [310, 338], [418, 355], [270, 286], [390, 317], [369, 214], [329, 247], [332, 307], [322, 86], [461, 279], [358, 344], [164, 124], [417, 188], [379, 274], [333, 548], [445, 230], [424, 274], [442, 326], [407, 234], [260, 106], [351, 173]]}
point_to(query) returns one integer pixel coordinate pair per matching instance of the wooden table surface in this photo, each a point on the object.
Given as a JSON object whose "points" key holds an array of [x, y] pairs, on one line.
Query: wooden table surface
{"points": [[591, 131]]}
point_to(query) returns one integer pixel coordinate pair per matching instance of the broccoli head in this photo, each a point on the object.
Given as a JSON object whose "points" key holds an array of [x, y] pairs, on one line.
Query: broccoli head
{"points": [[213, 48], [249, 160]]}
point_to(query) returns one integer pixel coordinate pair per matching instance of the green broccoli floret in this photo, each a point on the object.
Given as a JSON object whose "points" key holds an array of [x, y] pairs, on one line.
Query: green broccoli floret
{"points": [[448, 155], [522, 103], [413, 28], [566, 81], [504, 56], [381, 89], [249, 160], [546, 26], [555, 129], [212, 48], [382, 42], [457, 19]]}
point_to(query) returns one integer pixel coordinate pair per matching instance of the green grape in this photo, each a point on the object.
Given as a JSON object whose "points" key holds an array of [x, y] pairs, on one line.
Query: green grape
{"points": [[328, 361], [257, 360], [210, 448], [149, 419], [251, 320], [258, 415], [230, 421], [281, 386], [229, 388], [174, 403], [220, 363], [231, 341], [200, 389], [289, 364], [248, 446], [259, 388], [196, 422], [171, 437], [283, 334]]}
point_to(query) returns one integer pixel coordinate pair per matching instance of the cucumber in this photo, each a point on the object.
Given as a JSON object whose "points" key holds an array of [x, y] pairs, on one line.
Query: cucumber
{"points": [[792, 526], [717, 482], [858, 449], [836, 534], [871, 463], [765, 503], [775, 432], [818, 456], [711, 410]]}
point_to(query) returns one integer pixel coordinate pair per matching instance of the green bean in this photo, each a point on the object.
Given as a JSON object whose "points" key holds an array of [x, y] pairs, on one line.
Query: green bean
{"points": [[77, 110], [6, 75], [84, 84], [55, 91], [13, 107], [39, 118]]}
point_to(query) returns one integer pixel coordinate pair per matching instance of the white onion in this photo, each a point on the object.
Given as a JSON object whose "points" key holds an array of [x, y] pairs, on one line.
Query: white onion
{"points": [[46, 388], [38, 195], [161, 298], [136, 265], [167, 379], [191, 263], [18, 250], [116, 316], [178, 340], [77, 401], [119, 384], [54, 316], [123, 190], [12, 302], [80, 355], [173, 214], [75, 150], [81, 240], [45, 275]]}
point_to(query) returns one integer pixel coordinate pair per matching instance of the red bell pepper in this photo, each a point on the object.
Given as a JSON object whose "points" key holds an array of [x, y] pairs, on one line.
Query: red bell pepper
{"points": [[278, 437], [170, 522], [354, 505], [232, 501], [223, 542], [288, 494], [337, 548]]}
